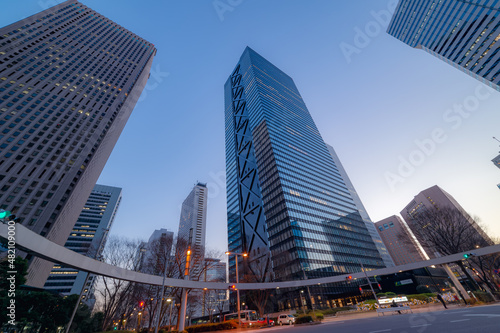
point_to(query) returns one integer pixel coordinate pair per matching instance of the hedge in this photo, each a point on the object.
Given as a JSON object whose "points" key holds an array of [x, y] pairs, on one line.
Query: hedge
{"points": [[227, 325], [303, 320], [483, 297]]}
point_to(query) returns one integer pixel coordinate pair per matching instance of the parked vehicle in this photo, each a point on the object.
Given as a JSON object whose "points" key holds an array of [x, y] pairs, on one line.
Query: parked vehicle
{"points": [[286, 319], [263, 321]]}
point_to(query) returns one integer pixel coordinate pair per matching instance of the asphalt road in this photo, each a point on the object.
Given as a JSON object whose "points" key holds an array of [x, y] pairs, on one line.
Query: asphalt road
{"points": [[483, 319]]}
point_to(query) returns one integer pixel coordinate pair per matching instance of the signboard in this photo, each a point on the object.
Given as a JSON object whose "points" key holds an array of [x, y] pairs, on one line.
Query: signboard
{"points": [[403, 282], [389, 300]]}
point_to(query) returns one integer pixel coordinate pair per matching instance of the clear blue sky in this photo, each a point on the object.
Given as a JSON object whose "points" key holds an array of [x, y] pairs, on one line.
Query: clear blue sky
{"points": [[371, 109]]}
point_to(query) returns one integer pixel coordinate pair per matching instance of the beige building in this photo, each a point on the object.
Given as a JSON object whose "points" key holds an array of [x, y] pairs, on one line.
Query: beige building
{"points": [[399, 241], [430, 199]]}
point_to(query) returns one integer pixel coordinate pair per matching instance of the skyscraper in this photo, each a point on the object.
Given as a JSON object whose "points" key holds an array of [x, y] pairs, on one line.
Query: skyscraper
{"points": [[69, 79], [284, 192], [88, 237], [399, 241], [193, 225], [465, 34], [429, 199], [381, 247]]}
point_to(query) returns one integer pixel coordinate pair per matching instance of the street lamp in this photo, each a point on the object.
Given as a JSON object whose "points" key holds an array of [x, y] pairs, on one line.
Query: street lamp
{"points": [[302, 301], [244, 255], [182, 313], [170, 315]]}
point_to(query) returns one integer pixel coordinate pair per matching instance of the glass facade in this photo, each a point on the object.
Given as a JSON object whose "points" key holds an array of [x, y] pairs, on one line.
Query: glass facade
{"points": [[88, 238], [465, 34], [310, 221]]}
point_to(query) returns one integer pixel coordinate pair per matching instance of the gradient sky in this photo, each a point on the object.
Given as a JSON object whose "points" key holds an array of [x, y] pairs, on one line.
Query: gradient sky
{"points": [[372, 109]]}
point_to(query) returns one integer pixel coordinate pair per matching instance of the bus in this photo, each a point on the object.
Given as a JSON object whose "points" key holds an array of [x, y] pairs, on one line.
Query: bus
{"points": [[248, 317]]}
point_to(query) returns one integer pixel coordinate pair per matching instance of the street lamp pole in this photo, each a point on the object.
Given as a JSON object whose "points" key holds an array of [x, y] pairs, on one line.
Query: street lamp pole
{"points": [[302, 301], [237, 281], [170, 315], [182, 316]]}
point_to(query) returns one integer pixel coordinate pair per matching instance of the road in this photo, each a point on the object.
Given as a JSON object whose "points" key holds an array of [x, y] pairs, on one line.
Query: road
{"points": [[482, 319]]}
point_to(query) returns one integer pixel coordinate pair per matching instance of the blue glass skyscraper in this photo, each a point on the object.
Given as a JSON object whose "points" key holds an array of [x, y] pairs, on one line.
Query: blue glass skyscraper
{"points": [[465, 34], [284, 191]]}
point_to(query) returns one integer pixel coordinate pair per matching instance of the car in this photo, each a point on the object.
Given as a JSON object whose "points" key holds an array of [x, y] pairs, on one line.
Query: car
{"points": [[263, 321], [286, 319]]}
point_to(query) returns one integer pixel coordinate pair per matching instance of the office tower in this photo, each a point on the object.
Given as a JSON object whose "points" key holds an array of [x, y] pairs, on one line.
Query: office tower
{"points": [[88, 238], [386, 257], [399, 241], [465, 34], [192, 226], [69, 79], [430, 199], [496, 161], [284, 192]]}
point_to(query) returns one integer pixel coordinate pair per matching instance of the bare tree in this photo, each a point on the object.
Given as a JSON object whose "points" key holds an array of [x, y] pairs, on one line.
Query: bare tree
{"points": [[448, 230], [162, 258], [258, 270], [116, 297], [485, 267]]}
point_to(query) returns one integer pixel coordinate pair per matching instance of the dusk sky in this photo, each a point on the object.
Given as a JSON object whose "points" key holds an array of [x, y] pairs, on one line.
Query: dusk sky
{"points": [[377, 101]]}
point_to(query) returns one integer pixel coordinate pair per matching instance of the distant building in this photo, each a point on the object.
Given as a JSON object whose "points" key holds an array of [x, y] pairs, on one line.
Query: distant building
{"points": [[496, 161], [156, 253], [70, 78], [430, 199], [88, 237], [192, 226], [399, 241], [386, 257], [464, 34], [214, 299]]}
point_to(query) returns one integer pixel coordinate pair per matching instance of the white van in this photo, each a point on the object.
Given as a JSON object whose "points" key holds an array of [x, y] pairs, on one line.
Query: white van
{"points": [[286, 319]]}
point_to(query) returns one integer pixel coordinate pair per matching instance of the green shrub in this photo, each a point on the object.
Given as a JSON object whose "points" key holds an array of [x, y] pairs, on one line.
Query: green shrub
{"points": [[320, 316], [227, 325], [421, 289], [483, 297], [303, 320], [420, 297], [370, 301]]}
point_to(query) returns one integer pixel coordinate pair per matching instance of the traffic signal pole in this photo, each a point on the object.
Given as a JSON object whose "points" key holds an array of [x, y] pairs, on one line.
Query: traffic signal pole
{"points": [[369, 282]]}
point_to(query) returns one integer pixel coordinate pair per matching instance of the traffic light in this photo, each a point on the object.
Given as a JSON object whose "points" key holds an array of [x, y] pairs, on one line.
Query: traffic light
{"points": [[232, 287], [4, 214], [349, 277], [141, 304], [468, 255]]}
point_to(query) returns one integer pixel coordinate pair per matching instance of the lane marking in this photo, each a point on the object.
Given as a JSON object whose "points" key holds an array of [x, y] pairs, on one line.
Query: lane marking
{"points": [[459, 320], [381, 331], [455, 312], [489, 315]]}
